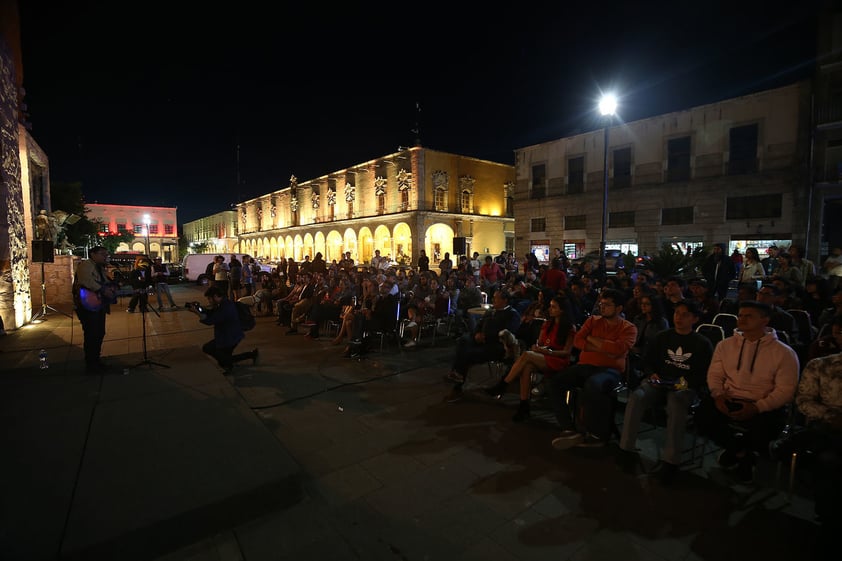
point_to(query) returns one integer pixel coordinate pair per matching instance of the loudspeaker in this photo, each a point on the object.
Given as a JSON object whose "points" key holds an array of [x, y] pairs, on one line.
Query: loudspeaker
{"points": [[459, 246], [42, 251]]}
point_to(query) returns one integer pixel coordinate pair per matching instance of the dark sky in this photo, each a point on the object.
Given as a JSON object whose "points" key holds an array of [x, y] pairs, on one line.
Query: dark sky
{"points": [[147, 103]]}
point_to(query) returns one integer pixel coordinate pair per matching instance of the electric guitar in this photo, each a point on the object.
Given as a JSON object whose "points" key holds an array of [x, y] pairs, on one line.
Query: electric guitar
{"points": [[94, 301]]}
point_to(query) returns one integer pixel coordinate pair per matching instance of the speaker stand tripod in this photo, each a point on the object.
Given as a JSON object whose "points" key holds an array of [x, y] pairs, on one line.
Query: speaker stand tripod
{"points": [[42, 315], [146, 361]]}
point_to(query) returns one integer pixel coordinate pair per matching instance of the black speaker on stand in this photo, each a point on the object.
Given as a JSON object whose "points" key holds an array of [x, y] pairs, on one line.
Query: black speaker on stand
{"points": [[43, 252], [459, 246]]}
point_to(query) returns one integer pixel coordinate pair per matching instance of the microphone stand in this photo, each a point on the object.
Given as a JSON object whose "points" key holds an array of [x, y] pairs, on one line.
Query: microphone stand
{"points": [[144, 303]]}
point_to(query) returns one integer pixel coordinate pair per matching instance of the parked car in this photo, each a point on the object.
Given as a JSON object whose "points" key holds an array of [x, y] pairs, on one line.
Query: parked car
{"points": [[613, 259]]}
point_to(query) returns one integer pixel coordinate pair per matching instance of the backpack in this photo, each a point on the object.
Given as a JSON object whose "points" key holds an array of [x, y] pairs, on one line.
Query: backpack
{"points": [[247, 320]]}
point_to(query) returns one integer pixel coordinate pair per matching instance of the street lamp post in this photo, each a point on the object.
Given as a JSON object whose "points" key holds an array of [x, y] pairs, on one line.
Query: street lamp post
{"points": [[607, 107], [147, 222]]}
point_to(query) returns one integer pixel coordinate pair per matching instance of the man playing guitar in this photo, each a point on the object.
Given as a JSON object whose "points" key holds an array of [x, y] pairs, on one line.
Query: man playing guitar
{"points": [[92, 295]]}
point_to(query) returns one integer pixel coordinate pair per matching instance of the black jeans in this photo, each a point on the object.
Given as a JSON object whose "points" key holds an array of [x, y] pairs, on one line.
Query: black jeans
{"points": [[225, 356], [93, 327], [753, 434], [596, 401]]}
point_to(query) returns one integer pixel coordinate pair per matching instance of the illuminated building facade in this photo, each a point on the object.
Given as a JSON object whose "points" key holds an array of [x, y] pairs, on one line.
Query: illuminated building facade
{"points": [[401, 203]]}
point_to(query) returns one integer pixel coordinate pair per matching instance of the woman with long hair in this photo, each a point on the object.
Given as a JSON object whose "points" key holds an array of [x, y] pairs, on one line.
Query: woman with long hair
{"points": [[549, 354], [752, 269], [649, 322]]}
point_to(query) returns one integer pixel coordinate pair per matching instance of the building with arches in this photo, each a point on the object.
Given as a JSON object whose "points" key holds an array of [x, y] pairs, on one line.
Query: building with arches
{"points": [[399, 204], [155, 228]]}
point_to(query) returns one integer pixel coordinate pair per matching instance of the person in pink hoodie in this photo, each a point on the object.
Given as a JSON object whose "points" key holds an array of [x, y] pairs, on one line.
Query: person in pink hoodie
{"points": [[752, 380]]}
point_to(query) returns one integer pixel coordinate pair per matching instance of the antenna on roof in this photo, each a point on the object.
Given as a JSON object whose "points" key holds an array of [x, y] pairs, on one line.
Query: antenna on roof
{"points": [[417, 130]]}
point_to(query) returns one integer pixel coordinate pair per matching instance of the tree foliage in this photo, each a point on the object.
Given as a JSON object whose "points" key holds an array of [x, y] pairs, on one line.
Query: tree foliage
{"points": [[670, 261], [112, 241]]}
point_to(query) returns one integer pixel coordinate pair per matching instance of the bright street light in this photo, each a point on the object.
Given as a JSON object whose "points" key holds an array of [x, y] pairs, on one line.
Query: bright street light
{"points": [[607, 108], [147, 222]]}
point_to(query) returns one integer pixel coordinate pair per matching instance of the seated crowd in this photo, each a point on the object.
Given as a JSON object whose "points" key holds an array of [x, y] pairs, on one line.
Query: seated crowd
{"points": [[588, 335]]}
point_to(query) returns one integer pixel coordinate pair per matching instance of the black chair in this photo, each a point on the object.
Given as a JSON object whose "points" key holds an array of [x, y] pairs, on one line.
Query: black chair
{"points": [[715, 333], [728, 322], [807, 332]]}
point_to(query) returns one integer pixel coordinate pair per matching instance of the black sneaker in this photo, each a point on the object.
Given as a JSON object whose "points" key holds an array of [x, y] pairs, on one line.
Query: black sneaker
{"points": [[666, 473], [744, 472], [255, 354], [521, 414], [454, 396]]}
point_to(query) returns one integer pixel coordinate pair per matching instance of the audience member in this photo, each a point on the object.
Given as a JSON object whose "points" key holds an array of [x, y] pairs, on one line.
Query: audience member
{"points": [[752, 377], [604, 342], [675, 365]]}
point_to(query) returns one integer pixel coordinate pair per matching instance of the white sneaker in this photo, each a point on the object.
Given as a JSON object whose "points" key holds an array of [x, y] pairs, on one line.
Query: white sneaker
{"points": [[409, 344], [567, 439]]}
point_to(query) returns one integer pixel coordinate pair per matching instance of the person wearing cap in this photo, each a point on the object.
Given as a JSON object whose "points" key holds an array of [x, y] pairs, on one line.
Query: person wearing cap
{"points": [[718, 270], [770, 263], [160, 275], [708, 305]]}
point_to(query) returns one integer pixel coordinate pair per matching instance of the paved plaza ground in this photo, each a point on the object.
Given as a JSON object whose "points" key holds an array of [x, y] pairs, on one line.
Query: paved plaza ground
{"points": [[308, 455]]}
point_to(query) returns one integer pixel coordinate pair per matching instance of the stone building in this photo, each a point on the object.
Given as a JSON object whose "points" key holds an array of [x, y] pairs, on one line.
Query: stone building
{"points": [[24, 182], [732, 171], [216, 233], [401, 203]]}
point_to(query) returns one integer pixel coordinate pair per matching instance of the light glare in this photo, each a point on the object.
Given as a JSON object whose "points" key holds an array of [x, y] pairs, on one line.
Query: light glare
{"points": [[608, 104]]}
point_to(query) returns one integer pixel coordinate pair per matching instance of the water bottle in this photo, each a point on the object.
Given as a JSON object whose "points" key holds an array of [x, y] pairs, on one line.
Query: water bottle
{"points": [[42, 359]]}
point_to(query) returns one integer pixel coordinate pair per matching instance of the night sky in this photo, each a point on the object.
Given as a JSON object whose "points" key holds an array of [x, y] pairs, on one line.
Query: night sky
{"points": [[146, 104]]}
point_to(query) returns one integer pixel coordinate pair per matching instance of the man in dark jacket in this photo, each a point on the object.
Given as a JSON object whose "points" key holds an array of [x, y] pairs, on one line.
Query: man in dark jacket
{"points": [[718, 270], [222, 314], [485, 344]]}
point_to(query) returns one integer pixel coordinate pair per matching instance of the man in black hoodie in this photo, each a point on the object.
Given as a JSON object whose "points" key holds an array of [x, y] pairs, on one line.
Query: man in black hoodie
{"points": [[718, 270]]}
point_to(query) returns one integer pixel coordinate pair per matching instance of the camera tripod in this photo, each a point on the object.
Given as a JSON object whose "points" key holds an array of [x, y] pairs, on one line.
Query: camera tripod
{"points": [[144, 304]]}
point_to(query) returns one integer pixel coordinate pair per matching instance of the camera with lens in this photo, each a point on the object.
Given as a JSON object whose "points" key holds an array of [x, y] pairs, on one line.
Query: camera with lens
{"points": [[195, 306]]}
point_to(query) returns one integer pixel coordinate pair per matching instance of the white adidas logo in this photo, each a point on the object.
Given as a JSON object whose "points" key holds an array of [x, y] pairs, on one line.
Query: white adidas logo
{"points": [[678, 355]]}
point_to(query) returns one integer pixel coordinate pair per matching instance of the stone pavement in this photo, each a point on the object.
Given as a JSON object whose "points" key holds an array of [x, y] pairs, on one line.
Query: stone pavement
{"points": [[308, 455]]}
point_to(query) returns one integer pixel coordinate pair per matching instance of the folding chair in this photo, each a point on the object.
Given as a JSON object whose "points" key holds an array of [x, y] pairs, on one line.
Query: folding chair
{"points": [[807, 332], [712, 331], [728, 322]]}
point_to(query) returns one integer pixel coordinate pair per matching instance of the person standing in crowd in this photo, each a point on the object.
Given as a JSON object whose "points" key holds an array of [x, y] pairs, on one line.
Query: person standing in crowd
{"points": [[423, 262], [220, 274], [770, 262], [92, 295], [222, 314], [832, 267], [160, 275], [752, 269], [807, 267], [718, 269], [141, 280]]}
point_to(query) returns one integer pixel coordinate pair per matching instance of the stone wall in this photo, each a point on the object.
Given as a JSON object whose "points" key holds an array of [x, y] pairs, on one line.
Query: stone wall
{"points": [[58, 282]]}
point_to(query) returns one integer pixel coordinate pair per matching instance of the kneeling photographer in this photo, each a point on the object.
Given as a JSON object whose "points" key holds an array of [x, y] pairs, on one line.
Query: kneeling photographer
{"points": [[222, 314]]}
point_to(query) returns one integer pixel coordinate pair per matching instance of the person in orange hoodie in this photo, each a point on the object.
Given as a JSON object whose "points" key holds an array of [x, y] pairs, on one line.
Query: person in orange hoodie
{"points": [[604, 342]]}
